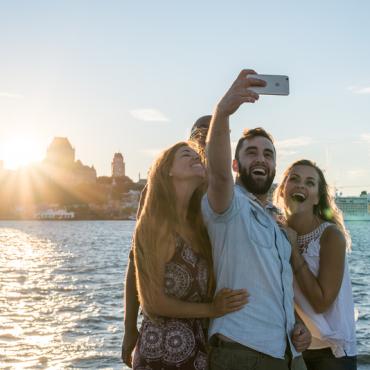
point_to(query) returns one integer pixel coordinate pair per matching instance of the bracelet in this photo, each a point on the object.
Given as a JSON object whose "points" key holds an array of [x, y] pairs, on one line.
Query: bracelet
{"points": [[299, 268]]}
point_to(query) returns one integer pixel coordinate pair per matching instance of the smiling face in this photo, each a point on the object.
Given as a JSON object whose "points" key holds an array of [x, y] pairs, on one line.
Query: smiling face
{"points": [[301, 190], [187, 165], [256, 164]]}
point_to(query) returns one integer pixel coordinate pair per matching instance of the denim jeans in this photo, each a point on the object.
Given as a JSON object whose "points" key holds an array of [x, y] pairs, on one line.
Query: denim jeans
{"points": [[234, 356], [323, 359]]}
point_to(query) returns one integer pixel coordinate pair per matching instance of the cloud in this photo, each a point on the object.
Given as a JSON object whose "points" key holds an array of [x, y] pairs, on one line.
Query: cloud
{"points": [[286, 147], [11, 95], [290, 147], [359, 89], [149, 115]]}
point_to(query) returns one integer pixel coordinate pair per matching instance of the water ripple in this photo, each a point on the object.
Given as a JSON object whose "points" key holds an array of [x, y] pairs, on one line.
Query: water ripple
{"points": [[61, 293]]}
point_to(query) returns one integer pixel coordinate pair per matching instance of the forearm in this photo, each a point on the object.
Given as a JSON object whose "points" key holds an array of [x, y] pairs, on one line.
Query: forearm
{"points": [[219, 147], [220, 179], [171, 307], [131, 298], [308, 283], [220, 187]]}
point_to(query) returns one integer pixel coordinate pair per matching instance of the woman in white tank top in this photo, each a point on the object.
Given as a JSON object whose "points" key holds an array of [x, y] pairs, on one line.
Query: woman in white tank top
{"points": [[322, 285]]}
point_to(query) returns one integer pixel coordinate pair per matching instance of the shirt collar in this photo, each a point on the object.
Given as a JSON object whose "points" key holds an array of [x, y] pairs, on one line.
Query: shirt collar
{"points": [[269, 206]]}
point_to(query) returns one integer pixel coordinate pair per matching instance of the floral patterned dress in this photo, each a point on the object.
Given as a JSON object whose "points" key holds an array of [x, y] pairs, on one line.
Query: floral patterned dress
{"points": [[172, 343]]}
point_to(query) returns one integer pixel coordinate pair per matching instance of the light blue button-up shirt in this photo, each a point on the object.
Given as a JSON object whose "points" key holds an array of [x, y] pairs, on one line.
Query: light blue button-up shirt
{"points": [[250, 251]]}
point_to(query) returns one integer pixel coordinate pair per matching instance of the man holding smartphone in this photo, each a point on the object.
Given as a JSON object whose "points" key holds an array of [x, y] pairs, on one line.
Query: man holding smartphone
{"points": [[249, 249]]}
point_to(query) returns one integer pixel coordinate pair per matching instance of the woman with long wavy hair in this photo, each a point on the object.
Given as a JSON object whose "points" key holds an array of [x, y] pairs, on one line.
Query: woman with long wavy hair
{"points": [[174, 266], [322, 285]]}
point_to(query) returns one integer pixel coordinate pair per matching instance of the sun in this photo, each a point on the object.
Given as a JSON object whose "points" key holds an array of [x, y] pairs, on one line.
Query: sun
{"points": [[20, 151]]}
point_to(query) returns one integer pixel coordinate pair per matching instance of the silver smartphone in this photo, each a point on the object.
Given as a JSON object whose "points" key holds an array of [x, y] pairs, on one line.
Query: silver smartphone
{"points": [[275, 85]]}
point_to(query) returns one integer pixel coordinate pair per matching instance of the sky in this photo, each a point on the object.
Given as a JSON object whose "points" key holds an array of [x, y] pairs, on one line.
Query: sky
{"points": [[132, 77]]}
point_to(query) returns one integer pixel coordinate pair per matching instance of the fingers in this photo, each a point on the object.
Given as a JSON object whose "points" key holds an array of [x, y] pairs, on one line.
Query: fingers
{"points": [[254, 82], [301, 345], [236, 304], [297, 332], [237, 299], [245, 72], [301, 338], [248, 98], [233, 300], [232, 292]]}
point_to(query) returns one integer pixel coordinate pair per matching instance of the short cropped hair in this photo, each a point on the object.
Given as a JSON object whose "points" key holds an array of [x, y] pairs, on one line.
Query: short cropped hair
{"points": [[202, 122], [250, 134]]}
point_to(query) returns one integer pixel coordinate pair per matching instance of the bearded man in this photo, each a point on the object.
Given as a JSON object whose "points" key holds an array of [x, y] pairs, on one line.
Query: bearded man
{"points": [[249, 248]]}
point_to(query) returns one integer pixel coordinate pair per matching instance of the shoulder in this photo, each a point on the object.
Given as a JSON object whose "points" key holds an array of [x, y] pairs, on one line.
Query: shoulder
{"points": [[333, 238]]}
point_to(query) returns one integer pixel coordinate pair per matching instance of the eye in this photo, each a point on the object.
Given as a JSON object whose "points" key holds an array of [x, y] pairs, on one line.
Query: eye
{"points": [[310, 183]]}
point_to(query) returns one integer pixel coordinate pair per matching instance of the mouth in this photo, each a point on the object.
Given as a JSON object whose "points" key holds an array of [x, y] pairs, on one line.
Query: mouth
{"points": [[298, 197], [259, 171], [196, 165]]}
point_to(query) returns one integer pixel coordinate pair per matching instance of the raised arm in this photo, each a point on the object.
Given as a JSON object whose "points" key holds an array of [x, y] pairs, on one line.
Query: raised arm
{"points": [[220, 187], [321, 291]]}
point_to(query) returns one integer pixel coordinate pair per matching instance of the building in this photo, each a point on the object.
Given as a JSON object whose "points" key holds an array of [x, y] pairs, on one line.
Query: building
{"points": [[118, 166], [60, 153], [354, 208], [61, 165], [55, 214]]}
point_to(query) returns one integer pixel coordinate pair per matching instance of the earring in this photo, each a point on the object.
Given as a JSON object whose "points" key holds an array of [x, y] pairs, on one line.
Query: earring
{"points": [[170, 174]]}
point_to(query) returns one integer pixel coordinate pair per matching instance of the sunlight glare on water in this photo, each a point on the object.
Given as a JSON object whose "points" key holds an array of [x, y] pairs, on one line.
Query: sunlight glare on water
{"points": [[60, 304]]}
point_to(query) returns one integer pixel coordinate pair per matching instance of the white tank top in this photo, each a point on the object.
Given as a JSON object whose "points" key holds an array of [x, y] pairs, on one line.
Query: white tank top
{"points": [[335, 328]]}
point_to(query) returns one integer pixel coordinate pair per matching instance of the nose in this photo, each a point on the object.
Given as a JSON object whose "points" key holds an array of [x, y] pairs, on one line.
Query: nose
{"points": [[196, 158], [261, 158], [301, 185]]}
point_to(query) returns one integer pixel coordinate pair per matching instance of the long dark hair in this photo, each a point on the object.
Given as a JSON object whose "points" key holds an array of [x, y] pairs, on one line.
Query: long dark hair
{"points": [[158, 222]]}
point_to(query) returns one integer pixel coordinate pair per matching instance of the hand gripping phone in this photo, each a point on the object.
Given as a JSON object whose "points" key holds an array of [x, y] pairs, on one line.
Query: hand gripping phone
{"points": [[275, 85]]}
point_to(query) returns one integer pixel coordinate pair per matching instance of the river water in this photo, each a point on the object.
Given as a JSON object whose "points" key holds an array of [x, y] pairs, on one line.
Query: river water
{"points": [[61, 293]]}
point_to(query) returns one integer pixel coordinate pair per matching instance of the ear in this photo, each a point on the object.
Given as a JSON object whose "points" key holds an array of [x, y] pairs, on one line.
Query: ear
{"points": [[235, 166]]}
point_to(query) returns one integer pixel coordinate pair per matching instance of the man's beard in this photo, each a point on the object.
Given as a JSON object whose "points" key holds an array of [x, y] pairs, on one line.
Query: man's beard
{"points": [[253, 186]]}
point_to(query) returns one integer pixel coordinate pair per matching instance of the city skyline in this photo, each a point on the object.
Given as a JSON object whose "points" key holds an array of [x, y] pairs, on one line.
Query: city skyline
{"points": [[62, 149], [124, 77]]}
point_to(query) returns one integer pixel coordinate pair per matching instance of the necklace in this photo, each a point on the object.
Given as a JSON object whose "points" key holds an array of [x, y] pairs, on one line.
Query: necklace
{"points": [[304, 240]]}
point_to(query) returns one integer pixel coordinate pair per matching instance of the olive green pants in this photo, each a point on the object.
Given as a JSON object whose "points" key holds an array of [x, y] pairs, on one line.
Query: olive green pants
{"points": [[234, 356]]}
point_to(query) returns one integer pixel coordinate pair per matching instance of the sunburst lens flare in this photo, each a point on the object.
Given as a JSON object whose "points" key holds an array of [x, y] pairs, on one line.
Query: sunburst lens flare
{"points": [[18, 152]]}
